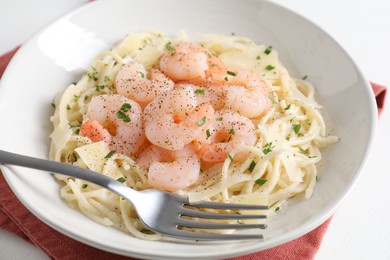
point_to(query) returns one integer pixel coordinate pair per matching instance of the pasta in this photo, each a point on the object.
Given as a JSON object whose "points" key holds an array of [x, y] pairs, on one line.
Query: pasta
{"points": [[280, 164]]}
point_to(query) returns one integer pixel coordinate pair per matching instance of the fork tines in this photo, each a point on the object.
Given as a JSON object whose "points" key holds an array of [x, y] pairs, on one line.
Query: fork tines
{"points": [[194, 212]]}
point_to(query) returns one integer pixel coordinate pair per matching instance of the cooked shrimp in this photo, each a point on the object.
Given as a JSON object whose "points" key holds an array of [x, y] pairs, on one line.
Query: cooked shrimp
{"points": [[246, 93], [132, 81], [116, 120], [188, 61], [170, 170], [174, 119], [228, 130], [214, 96]]}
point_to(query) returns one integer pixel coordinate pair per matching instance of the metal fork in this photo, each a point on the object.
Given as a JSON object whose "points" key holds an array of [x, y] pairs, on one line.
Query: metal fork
{"points": [[161, 212]]}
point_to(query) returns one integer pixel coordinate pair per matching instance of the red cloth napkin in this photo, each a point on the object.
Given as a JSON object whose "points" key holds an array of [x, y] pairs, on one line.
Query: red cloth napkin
{"points": [[15, 218]]}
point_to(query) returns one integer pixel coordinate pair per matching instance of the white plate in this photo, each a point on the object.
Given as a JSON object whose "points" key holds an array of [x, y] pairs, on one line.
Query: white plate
{"points": [[58, 55]]}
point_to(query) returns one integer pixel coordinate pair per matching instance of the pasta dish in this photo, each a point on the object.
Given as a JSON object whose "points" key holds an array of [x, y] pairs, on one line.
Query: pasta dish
{"points": [[219, 119]]}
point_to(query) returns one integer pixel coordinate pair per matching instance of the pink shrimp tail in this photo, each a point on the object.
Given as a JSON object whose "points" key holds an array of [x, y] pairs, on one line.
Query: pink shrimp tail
{"points": [[94, 131]]}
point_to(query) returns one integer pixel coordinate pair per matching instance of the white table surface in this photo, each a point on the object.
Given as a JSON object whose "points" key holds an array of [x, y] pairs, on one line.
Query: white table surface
{"points": [[360, 228]]}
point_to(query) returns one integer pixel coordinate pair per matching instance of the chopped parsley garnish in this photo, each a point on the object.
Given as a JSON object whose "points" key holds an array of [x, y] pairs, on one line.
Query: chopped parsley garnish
{"points": [[230, 157], [99, 87], [110, 154], [84, 186], [231, 131], [288, 138], [277, 209], [231, 73], [260, 181], [123, 116], [106, 78], [226, 78], [121, 180], [202, 121], [296, 128], [269, 67], [303, 151], [142, 74], [67, 107], [169, 47], [208, 134], [73, 126], [304, 77], [258, 57], [288, 107], [268, 50], [93, 74], [125, 107], [199, 91], [86, 97], [219, 119], [53, 105], [252, 166], [267, 148]]}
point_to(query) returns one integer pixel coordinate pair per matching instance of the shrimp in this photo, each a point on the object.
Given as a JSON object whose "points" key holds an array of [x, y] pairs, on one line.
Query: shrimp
{"points": [[116, 120], [245, 92], [174, 119], [214, 96], [191, 63], [228, 130], [188, 61], [170, 170], [132, 81]]}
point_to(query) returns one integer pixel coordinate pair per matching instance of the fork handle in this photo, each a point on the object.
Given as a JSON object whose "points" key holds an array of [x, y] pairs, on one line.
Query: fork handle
{"points": [[69, 170]]}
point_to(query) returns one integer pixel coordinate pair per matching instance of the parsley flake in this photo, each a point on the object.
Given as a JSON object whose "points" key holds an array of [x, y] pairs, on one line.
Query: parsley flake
{"points": [[169, 47], [110, 154], [121, 180], [269, 67], [231, 73], [260, 181], [296, 128], [268, 50], [252, 166], [99, 87], [199, 91], [125, 107], [208, 134], [202, 121], [84, 186], [303, 151], [123, 116], [267, 148]]}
